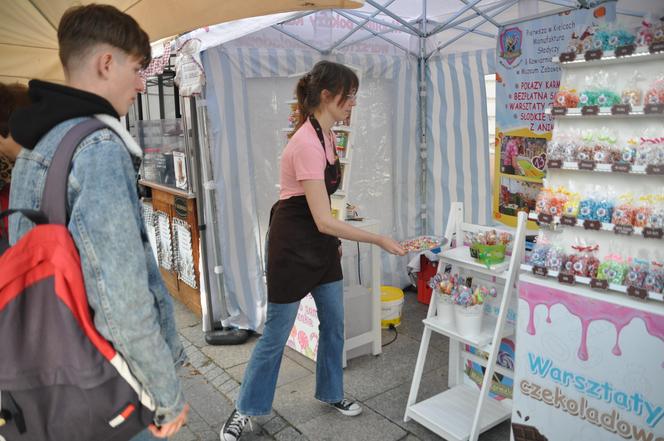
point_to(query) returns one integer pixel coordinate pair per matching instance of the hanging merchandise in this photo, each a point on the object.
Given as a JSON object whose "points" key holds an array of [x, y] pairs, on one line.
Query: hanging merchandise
{"points": [[184, 255], [165, 244], [189, 73]]}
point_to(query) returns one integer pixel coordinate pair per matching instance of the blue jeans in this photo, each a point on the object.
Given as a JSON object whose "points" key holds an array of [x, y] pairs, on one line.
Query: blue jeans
{"points": [[260, 378]]}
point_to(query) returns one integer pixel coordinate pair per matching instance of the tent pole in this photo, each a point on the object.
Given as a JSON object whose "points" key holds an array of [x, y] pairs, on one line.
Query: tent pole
{"points": [[371, 18], [423, 118], [206, 211], [295, 37], [348, 17], [462, 20], [500, 11], [393, 15], [356, 28], [483, 14], [455, 16]]}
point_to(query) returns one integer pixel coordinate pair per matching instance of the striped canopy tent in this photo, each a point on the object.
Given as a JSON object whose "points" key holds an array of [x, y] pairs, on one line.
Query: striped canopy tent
{"points": [[423, 130]]}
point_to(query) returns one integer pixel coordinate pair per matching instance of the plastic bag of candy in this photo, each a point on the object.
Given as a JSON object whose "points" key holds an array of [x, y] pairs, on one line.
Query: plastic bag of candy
{"points": [[555, 258], [650, 151], [571, 207], [605, 149], [537, 256], [632, 94], [655, 92], [587, 207], [654, 281], [604, 207], [567, 96], [628, 151], [585, 262], [623, 213], [585, 149], [612, 36], [613, 269], [656, 217], [644, 36], [643, 211], [637, 272]]}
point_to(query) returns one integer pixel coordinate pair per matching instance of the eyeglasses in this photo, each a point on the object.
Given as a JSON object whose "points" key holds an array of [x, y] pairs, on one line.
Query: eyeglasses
{"points": [[352, 98]]}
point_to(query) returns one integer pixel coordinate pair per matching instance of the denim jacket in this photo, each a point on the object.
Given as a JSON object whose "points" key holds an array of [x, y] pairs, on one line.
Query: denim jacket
{"points": [[132, 308]]}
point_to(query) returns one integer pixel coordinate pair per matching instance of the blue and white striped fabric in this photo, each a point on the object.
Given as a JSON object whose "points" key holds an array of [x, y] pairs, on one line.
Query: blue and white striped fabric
{"points": [[238, 160], [457, 138]]}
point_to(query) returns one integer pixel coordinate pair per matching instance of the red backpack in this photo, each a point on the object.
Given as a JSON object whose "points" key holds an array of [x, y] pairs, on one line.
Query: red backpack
{"points": [[60, 380]]}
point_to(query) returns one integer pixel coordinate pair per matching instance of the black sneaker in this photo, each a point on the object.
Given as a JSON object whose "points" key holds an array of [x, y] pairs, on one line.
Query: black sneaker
{"points": [[347, 407], [234, 426]]}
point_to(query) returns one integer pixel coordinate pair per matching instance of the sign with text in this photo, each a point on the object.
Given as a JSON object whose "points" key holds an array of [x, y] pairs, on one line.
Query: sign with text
{"points": [[587, 369], [526, 81]]}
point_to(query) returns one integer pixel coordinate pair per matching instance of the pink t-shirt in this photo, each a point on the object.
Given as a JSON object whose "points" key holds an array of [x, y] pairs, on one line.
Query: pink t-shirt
{"points": [[303, 159]]}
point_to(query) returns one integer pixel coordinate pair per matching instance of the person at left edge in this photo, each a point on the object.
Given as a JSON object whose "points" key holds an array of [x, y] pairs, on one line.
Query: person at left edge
{"points": [[102, 51]]}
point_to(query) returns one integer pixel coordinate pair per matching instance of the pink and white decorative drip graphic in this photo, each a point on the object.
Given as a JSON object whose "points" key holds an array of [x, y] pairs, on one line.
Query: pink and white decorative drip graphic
{"points": [[587, 311]]}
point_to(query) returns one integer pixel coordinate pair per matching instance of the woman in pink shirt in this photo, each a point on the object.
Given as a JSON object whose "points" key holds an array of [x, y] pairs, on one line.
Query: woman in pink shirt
{"points": [[303, 250]]}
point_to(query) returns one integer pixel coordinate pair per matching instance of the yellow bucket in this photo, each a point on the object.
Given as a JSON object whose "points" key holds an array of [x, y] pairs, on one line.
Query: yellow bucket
{"points": [[391, 302]]}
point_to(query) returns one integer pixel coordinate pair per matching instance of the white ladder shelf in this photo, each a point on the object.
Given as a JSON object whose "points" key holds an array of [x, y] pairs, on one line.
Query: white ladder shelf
{"points": [[462, 412]]}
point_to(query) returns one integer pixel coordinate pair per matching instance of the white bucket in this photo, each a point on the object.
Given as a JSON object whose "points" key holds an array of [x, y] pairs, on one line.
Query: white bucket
{"points": [[445, 310], [468, 320]]}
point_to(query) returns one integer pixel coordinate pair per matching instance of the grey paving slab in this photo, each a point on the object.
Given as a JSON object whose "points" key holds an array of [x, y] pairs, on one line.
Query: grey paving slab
{"points": [[392, 404], [184, 318], [210, 404], [368, 376], [229, 356], [194, 334], [275, 425], [290, 434], [368, 426], [288, 372], [295, 402]]}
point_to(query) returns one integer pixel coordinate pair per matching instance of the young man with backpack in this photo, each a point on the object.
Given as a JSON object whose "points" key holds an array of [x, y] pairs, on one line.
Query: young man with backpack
{"points": [[102, 51]]}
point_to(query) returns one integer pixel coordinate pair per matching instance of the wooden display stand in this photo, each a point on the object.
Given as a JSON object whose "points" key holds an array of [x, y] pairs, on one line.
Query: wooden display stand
{"points": [[178, 204], [462, 412]]}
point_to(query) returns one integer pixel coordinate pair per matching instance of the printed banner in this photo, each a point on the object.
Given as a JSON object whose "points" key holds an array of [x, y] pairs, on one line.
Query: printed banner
{"points": [[586, 369], [526, 81]]}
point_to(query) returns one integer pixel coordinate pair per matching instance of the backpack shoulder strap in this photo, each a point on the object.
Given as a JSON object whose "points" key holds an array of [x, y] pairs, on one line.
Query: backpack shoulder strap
{"points": [[54, 197]]}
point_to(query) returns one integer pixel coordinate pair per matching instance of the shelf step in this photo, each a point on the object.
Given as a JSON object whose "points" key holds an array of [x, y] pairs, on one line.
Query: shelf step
{"points": [[450, 414], [482, 341], [461, 256]]}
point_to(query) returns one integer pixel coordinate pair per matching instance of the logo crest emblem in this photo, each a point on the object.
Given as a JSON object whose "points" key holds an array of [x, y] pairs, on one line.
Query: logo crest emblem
{"points": [[510, 44]]}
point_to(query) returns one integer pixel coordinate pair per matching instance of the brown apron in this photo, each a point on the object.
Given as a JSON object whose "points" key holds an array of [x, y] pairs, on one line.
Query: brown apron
{"points": [[299, 256]]}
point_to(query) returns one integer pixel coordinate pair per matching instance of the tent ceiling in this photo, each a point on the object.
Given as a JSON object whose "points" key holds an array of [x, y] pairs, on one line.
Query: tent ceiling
{"points": [[28, 41]]}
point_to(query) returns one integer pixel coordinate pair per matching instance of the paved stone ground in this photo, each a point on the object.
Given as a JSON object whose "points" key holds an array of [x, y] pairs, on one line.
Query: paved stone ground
{"points": [[211, 384]]}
